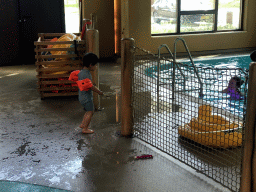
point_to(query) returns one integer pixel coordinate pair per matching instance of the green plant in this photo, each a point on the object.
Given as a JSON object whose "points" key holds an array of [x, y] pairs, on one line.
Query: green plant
{"points": [[227, 27], [165, 28], [72, 5], [232, 4]]}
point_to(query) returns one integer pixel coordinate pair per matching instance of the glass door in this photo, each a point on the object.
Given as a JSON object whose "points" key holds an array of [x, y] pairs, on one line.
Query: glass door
{"points": [[72, 16]]}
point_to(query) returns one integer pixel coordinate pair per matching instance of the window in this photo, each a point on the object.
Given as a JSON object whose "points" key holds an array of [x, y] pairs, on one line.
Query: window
{"points": [[195, 16]]}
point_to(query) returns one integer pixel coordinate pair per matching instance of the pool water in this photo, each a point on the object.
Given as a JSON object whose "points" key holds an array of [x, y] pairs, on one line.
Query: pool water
{"points": [[242, 62], [12, 186], [215, 74], [222, 100]]}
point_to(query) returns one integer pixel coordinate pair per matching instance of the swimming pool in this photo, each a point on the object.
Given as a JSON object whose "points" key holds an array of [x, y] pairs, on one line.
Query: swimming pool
{"points": [[214, 72]]}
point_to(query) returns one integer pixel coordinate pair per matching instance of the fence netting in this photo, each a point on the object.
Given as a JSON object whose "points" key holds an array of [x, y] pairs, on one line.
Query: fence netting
{"points": [[192, 114]]}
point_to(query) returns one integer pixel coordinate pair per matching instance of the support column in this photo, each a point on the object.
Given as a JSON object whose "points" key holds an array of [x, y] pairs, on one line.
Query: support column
{"points": [[117, 26], [92, 45], [127, 65], [248, 177], [125, 19]]}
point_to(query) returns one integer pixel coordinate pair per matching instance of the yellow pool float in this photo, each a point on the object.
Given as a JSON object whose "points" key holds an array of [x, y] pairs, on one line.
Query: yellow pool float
{"points": [[66, 37], [212, 130]]}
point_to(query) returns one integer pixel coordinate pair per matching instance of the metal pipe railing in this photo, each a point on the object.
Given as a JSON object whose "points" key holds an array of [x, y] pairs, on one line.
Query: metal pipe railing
{"points": [[193, 64], [159, 55], [174, 65]]}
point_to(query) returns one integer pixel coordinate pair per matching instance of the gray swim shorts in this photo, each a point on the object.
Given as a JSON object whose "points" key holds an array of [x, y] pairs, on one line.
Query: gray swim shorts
{"points": [[88, 106]]}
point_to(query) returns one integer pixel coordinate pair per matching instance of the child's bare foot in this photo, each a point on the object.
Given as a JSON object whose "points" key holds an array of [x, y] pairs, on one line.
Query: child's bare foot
{"points": [[87, 131], [83, 126]]}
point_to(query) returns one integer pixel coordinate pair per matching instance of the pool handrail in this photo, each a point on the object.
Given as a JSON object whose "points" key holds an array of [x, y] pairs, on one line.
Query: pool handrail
{"points": [[174, 68], [193, 64], [159, 55], [158, 71]]}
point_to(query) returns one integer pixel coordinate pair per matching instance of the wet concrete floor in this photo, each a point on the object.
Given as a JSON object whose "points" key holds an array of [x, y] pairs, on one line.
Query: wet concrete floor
{"points": [[40, 142]]}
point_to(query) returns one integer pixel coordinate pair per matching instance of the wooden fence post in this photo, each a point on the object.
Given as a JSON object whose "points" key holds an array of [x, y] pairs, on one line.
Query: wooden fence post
{"points": [[127, 59], [92, 45], [248, 180]]}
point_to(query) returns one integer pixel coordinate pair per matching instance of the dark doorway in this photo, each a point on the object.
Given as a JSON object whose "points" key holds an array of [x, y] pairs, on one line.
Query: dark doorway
{"points": [[22, 21]]}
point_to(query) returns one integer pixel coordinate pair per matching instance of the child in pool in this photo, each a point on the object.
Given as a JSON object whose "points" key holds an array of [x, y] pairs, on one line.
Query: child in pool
{"points": [[234, 85], [85, 96]]}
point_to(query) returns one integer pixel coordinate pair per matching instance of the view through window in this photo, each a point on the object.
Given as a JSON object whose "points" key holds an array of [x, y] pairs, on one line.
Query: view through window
{"points": [[186, 16], [72, 16]]}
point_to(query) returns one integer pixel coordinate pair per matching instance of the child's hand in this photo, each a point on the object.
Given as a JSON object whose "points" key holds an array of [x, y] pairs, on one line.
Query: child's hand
{"points": [[100, 93]]}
